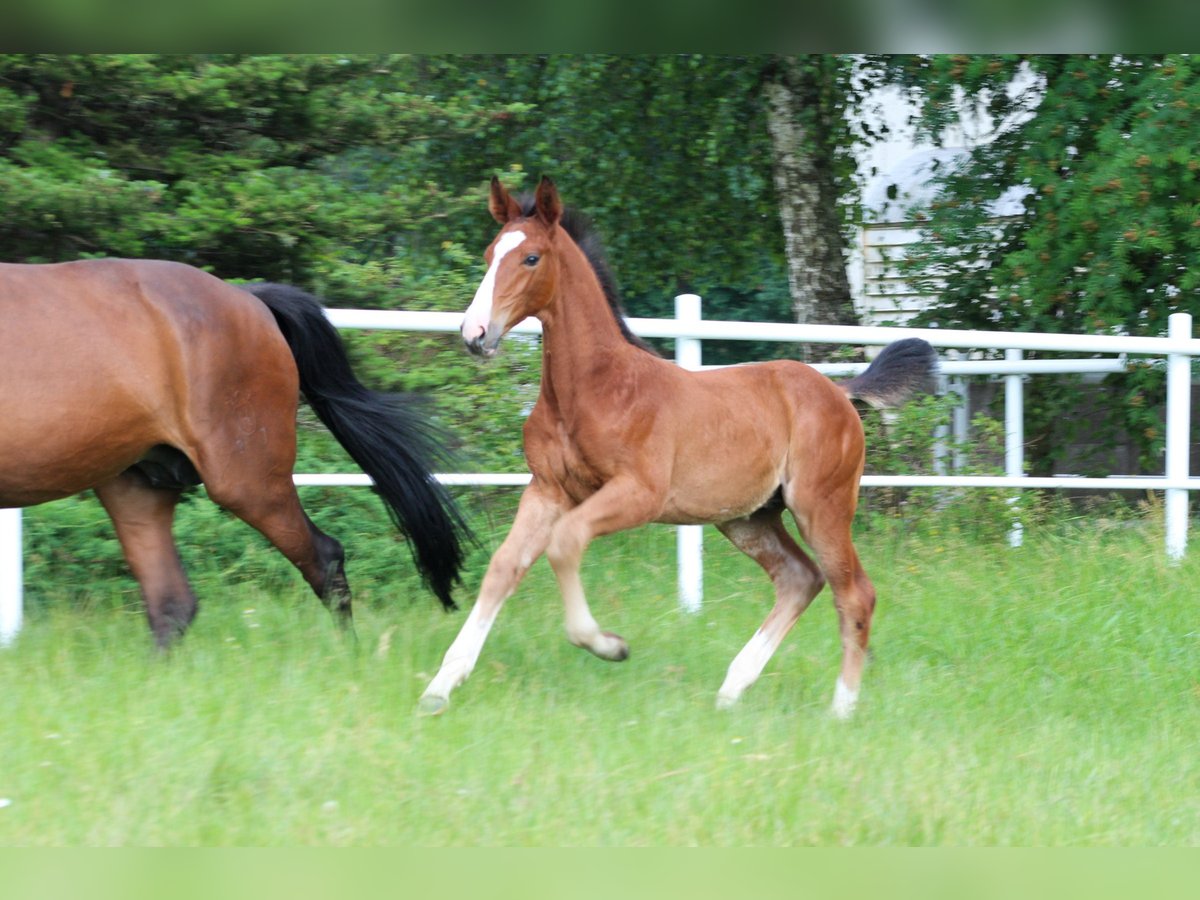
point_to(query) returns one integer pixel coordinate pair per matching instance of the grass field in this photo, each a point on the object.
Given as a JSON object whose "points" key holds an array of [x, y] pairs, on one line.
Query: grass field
{"points": [[1047, 696]]}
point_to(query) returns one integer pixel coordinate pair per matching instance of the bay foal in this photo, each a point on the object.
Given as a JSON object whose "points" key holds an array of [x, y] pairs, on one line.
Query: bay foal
{"points": [[620, 437]]}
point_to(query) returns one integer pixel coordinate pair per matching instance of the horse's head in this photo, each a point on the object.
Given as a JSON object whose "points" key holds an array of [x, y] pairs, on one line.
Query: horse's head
{"points": [[522, 268]]}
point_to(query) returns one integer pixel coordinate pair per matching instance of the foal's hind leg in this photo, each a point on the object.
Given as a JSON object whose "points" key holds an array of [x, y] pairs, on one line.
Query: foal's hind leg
{"points": [[797, 580], [826, 528], [142, 517]]}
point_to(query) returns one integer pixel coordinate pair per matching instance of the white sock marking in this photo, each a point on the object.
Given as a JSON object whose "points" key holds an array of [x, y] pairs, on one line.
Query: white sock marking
{"points": [[746, 667], [844, 700], [460, 658]]}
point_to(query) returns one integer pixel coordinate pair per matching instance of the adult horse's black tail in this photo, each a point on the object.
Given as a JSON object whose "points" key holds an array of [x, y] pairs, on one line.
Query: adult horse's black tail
{"points": [[901, 369], [392, 442]]}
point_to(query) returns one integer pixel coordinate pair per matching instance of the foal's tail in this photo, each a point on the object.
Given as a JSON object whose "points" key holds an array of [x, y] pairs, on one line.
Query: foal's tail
{"points": [[899, 371], [392, 443]]}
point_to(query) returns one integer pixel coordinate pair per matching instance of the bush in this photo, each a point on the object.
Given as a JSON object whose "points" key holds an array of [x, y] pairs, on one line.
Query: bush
{"points": [[903, 442]]}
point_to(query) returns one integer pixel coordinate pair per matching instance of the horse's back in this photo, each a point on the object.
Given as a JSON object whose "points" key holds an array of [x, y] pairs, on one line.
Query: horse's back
{"points": [[102, 360], [782, 396]]}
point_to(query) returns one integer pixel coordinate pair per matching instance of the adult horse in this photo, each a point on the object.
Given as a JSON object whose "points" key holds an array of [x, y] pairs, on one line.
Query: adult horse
{"points": [[141, 378], [620, 437]]}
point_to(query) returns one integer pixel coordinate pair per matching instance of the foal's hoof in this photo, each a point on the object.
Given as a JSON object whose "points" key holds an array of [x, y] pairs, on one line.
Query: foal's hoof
{"points": [[612, 647], [430, 705], [726, 701]]}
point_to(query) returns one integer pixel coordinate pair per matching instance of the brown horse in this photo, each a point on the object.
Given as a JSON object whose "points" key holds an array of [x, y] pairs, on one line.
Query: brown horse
{"points": [[141, 378], [620, 437]]}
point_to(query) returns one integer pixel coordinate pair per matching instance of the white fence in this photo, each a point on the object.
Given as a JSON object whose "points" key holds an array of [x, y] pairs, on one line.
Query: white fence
{"points": [[689, 330]]}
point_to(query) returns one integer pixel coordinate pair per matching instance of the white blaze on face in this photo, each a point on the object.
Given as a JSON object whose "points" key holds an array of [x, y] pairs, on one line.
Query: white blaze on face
{"points": [[479, 313]]}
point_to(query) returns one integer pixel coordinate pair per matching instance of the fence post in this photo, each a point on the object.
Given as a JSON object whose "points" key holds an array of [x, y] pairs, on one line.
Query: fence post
{"points": [[1014, 438], [960, 416], [689, 539], [941, 433], [11, 575], [1179, 403]]}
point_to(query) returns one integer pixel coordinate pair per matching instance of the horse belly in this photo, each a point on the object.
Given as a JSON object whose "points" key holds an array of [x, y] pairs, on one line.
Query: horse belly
{"points": [[56, 464], [69, 426], [703, 498], [717, 480]]}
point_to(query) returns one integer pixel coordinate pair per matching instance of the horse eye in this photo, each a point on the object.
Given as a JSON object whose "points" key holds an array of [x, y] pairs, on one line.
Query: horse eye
{"points": [[532, 259]]}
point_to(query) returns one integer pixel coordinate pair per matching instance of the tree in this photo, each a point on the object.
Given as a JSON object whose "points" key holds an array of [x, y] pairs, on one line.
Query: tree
{"points": [[251, 166], [1110, 227], [689, 164], [805, 100]]}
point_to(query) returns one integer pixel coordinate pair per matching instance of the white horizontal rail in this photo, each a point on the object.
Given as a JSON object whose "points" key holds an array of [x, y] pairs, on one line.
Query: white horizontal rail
{"points": [[996, 367], [1054, 482], [871, 335], [938, 337]]}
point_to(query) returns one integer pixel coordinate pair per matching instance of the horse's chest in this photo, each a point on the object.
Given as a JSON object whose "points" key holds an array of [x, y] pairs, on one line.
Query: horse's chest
{"points": [[577, 461]]}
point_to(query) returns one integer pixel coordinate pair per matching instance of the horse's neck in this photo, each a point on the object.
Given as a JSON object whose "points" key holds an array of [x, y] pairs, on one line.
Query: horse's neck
{"points": [[581, 341]]}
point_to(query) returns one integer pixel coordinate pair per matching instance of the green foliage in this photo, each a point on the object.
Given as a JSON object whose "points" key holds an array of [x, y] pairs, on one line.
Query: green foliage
{"points": [[1111, 223], [905, 441], [669, 155], [309, 169]]}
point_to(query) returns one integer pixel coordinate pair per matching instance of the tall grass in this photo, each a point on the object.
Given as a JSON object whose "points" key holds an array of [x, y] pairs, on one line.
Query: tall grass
{"points": [[1042, 696]]}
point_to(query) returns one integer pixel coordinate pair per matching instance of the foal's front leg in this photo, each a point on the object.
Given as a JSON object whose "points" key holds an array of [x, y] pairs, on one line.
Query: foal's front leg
{"points": [[526, 541], [621, 504]]}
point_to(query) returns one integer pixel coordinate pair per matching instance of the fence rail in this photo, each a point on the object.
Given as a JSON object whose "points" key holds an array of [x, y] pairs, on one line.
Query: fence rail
{"points": [[689, 329]]}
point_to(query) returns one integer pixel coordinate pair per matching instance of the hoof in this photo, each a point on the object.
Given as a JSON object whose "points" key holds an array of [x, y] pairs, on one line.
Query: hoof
{"points": [[726, 701], [430, 705], [614, 648]]}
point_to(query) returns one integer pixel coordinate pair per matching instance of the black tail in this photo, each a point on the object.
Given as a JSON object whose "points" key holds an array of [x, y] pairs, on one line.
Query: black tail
{"points": [[392, 443], [899, 371]]}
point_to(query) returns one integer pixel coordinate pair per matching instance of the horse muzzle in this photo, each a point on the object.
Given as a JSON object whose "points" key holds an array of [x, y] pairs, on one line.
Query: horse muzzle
{"points": [[483, 343]]}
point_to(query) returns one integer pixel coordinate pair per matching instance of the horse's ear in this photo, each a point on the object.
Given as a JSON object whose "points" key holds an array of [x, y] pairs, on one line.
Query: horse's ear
{"points": [[547, 204], [501, 204]]}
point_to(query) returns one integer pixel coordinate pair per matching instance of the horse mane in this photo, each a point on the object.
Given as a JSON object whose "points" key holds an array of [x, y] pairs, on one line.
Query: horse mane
{"points": [[580, 229]]}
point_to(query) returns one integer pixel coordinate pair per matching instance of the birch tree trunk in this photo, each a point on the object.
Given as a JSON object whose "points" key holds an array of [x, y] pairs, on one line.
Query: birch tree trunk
{"points": [[808, 197]]}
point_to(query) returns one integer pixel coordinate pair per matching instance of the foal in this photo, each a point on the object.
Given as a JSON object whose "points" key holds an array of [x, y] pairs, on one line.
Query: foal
{"points": [[620, 437]]}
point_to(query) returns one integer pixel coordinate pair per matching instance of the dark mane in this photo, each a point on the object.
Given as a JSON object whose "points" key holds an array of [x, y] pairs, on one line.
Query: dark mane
{"points": [[580, 229]]}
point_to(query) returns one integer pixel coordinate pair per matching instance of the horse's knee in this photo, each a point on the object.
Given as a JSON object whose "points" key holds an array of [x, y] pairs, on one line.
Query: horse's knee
{"points": [[565, 548]]}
